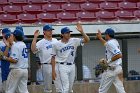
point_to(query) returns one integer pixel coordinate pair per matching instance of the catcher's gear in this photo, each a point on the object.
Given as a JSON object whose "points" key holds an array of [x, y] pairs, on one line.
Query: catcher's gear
{"points": [[101, 67]]}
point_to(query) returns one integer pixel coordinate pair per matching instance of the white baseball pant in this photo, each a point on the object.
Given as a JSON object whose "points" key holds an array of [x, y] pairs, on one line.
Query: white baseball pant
{"points": [[110, 77], [47, 75], [65, 75], [0, 81], [17, 80]]}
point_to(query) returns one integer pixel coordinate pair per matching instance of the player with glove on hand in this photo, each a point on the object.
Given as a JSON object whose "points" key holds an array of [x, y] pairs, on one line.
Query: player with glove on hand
{"points": [[101, 67], [114, 61]]}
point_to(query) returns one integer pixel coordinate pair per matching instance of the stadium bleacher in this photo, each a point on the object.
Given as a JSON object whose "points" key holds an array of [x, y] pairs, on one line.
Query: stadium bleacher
{"points": [[53, 11]]}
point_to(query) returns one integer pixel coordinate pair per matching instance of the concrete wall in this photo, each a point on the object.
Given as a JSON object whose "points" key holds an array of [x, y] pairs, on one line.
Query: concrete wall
{"points": [[130, 87], [88, 27]]}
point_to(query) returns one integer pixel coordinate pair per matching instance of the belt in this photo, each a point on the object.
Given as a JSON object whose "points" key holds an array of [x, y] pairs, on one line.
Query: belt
{"points": [[45, 63], [111, 67], [64, 63]]}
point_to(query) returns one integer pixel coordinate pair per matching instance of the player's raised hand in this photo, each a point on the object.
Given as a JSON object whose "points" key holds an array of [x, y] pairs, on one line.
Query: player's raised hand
{"points": [[37, 33], [99, 34], [79, 27]]}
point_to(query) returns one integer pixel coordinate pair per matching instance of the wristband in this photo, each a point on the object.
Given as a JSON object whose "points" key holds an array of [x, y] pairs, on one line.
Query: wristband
{"points": [[109, 61], [4, 57]]}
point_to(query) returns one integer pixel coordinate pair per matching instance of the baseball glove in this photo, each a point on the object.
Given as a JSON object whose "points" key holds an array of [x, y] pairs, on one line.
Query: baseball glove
{"points": [[101, 67]]}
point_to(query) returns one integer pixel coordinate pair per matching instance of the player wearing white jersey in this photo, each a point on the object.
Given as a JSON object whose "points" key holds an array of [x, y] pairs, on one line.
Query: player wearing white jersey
{"points": [[18, 76], [114, 60], [43, 49], [63, 55]]}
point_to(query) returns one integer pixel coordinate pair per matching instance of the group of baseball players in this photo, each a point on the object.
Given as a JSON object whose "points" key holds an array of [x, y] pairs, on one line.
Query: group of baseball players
{"points": [[56, 59], [14, 61]]}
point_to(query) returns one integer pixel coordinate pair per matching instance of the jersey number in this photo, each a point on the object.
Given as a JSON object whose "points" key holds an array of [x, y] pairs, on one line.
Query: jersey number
{"points": [[25, 52], [72, 53]]}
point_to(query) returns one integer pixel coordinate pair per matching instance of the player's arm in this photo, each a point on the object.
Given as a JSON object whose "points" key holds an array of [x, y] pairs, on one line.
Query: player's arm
{"points": [[33, 45], [53, 67], [116, 57], [99, 36], [53, 62], [13, 56], [115, 51], [85, 36], [9, 59]]}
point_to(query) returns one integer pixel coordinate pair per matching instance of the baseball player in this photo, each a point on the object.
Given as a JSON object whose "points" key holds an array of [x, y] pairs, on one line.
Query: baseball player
{"points": [[114, 61], [63, 55], [4, 64], [18, 76], [43, 49]]}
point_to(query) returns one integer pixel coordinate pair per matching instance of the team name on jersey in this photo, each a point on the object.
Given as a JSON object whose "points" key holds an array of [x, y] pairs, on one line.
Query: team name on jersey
{"points": [[66, 48], [49, 46]]}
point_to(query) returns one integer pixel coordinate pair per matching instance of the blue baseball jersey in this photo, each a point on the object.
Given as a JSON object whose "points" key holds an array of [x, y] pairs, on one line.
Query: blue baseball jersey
{"points": [[4, 64]]}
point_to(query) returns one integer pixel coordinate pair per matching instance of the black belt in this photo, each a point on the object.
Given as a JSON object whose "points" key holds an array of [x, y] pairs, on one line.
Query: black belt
{"points": [[45, 63], [65, 63]]}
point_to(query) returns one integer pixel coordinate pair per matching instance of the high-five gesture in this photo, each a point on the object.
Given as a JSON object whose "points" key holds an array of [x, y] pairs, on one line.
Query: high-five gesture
{"points": [[99, 34], [36, 34], [79, 27]]}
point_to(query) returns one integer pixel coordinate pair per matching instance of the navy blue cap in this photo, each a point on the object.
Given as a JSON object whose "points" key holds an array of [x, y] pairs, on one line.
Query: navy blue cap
{"points": [[7, 35], [110, 31], [19, 27], [18, 32], [48, 27], [65, 30], [5, 30]]}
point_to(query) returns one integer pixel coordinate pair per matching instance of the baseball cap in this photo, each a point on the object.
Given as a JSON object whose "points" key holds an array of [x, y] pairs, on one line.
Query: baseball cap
{"points": [[110, 31], [5, 30], [48, 27], [19, 27], [65, 30], [7, 35], [18, 32]]}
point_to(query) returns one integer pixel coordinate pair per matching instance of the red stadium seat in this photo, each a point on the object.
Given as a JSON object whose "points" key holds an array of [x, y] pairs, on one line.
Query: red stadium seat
{"points": [[137, 13], [18, 1], [133, 1], [128, 5], [138, 5], [58, 1], [1, 11], [8, 19], [109, 6], [13, 9], [126, 15], [114, 0], [90, 7], [27, 18], [71, 7], [96, 1], [105, 15], [52, 8], [3, 2], [77, 1], [37, 1], [66, 17], [32, 9], [86, 16], [47, 17]]}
